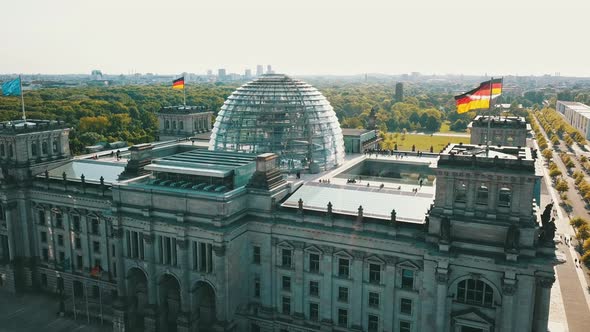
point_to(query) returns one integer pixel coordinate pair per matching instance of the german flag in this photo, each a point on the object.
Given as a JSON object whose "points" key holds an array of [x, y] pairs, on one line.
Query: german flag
{"points": [[479, 98], [178, 83]]}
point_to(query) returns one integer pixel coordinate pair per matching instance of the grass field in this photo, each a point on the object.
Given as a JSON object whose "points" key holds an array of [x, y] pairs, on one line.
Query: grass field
{"points": [[445, 127], [422, 142]]}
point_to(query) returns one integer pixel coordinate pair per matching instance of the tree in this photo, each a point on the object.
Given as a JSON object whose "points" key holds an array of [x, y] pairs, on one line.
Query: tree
{"points": [[583, 232], [547, 154], [414, 117], [554, 173], [459, 125], [433, 124], [561, 186]]}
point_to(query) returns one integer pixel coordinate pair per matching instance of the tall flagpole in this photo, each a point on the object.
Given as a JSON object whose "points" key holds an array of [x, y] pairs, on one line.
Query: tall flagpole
{"points": [[488, 140], [22, 98], [184, 91]]}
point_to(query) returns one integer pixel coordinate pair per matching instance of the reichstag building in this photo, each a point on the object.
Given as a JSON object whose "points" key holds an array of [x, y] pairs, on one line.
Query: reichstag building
{"points": [[268, 226]]}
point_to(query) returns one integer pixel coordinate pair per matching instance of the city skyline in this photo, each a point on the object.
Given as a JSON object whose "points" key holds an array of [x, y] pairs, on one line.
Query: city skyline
{"points": [[300, 39]]}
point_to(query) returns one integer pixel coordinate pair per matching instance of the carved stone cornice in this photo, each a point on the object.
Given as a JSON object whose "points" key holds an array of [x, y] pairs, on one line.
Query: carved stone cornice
{"points": [[509, 288], [182, 244], [545, 282], [328, 250], [148, 238], [442, 277], [219, 249], [357, 254], [390, 260], [298, 244]]}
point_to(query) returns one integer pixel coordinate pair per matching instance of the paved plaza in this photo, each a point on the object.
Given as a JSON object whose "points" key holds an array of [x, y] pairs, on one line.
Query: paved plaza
{"points": [[36, 313]]}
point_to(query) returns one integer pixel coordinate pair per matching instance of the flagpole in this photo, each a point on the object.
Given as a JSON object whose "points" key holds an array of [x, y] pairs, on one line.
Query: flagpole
{"points": [[489, 116], [22, 98], [184, 91]]}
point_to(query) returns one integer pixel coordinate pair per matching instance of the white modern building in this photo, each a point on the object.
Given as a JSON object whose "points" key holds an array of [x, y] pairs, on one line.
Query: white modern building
{"points": [[576, 114]]}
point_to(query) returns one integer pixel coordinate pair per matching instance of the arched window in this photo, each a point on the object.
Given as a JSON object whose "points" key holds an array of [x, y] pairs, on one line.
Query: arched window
{"points": [[173, 124], [54, 146], [482, 195], [195, 125], [2, 151], [461, 193], [10, 151], [44, 147], [34, 149], [167, 124], [471, 291], [505, 197], [181, 125]]}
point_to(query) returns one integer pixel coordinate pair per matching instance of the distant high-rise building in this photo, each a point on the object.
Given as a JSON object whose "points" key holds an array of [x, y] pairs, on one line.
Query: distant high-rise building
{"points": [[209, 72], [221, 74], [399, 92], [268, 69], [259, 70], [248, 73]]}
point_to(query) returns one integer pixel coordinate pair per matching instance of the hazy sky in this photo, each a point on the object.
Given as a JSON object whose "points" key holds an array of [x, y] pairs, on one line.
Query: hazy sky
{"points": [[298, 37]]}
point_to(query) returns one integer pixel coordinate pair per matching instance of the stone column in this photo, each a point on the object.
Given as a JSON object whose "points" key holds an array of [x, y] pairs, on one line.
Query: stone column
{"points": [[121, 287], [297, 285], [441, 299], [222, 305], [151, 310], [68, 237], [356, 292], [9, 228], [267, 276], [542, 299], [508, 290], [183, 321], [326, 304], [388, 305]]}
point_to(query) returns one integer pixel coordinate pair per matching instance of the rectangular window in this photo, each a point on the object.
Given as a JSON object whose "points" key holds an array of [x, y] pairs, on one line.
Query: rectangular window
{"points": [[373, 323], [407, 279], [373, 300], [374, 273], [314, 288], [256, 255], [59, 220], [41, 217], [314, 263], [286, 305], [60, 240], [343, 267], [45, 254], [79, 262], [405, 326], [95, 224], [257, 287], [78, 243], [343, 317], [43, 237], [286, 283], [62, 256], [406, 306], [96, 247], [314, 312], [286, 258], [76, 223], [343, 294]]}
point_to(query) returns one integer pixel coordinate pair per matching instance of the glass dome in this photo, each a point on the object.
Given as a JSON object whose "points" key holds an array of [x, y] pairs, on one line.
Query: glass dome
{"points": [[276, 113]]}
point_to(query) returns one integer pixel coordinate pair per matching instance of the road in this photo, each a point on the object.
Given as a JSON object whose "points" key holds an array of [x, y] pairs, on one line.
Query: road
{"points": [[571, 277]]}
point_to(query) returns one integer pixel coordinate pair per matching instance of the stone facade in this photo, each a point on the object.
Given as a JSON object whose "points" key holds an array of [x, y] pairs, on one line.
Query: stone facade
{"points": [[159, 258], [182, 122], [504, 131]]}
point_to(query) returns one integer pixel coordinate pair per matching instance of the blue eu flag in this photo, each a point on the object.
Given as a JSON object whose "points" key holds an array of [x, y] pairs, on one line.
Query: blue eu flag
{"points": [[11, 88]]}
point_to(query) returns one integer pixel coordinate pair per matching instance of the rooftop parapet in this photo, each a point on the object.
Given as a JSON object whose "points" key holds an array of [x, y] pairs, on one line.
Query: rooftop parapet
{"points": [[480, 156], [183, 109], [21, 126], [508, 122]]}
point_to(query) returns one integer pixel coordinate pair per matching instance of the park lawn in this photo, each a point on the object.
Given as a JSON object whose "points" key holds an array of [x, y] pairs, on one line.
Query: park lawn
{"points": [[423, 142], [445, 127]]}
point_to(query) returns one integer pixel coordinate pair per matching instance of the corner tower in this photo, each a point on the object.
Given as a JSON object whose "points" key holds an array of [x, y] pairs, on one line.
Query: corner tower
{"points": [[489, 251]]}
